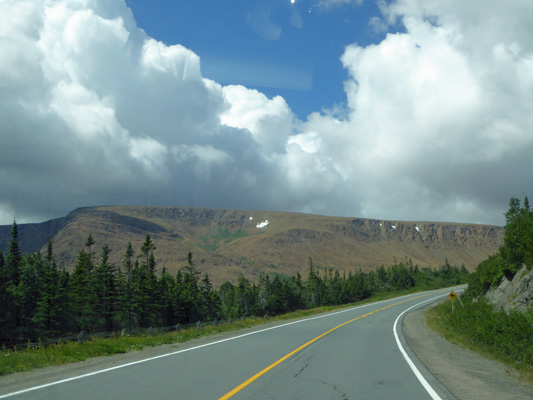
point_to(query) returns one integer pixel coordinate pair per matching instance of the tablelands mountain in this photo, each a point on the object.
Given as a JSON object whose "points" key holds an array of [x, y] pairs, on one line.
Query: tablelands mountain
{"points": [[227, 243]]}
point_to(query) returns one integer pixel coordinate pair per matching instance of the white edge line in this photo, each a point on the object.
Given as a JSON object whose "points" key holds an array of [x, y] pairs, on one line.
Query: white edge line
{"points": [[417, 373], [213, 343]]}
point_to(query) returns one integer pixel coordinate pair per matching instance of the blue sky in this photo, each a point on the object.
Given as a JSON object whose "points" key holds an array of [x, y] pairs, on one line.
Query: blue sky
{"points": [[302, 64], [412, 110]]}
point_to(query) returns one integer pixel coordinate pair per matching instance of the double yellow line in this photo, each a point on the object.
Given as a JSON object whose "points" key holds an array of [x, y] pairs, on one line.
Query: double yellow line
{"points": [[253, 378]]}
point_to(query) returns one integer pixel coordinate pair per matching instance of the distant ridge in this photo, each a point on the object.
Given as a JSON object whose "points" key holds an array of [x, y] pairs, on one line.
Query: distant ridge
{"points": [[226, 243]]}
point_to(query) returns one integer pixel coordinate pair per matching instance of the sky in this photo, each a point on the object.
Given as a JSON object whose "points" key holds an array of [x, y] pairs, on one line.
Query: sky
{"points": [[413, 110]]}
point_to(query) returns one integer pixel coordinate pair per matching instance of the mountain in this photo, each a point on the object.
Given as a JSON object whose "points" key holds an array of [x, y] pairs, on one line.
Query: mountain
{"points": [[226, 243]]}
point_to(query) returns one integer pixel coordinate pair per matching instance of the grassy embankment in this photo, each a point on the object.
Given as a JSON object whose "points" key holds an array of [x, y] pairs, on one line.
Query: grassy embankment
{"points": [[493, 334], [12, 361], [504, 337]]}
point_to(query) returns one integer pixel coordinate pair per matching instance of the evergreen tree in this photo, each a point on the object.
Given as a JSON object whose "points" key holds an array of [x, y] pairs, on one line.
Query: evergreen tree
{"points": [[147, 248], [49, 318], [14, 297], [381, 279], [518, 240], [104, 294], [526, 204], [88, 243], [399, 277], [137, 294], [7, 303], [312, 287], [228, 301], [145, 293], [14, 257], [247, 297], [276, 301], [193, 302], [79, 291], [294, 292], [29, 292], [127, 292], [180, 310], [168, 288], [211, 301]]}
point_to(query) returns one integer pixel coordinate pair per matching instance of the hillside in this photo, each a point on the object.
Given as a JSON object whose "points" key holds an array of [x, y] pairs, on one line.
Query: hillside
{"points": [[226, 243]]}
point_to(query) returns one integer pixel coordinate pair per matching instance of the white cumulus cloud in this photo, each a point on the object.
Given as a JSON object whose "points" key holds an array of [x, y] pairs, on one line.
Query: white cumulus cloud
{"points": [[438, 116], [436, 124]]}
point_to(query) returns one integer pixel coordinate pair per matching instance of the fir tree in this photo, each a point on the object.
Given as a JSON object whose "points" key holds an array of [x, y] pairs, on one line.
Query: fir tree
{"points": [[88, 243], [145, 293], [13, 266], [167, 287], [6, 301], [104, 294], [128, 266], [50, 311], [192, 297], [14, 257], [147, 248], [29, 293], [79, 291]]}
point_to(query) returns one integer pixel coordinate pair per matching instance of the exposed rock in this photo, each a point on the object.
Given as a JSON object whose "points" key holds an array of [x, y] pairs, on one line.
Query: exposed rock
{"points": [[516, 294]]}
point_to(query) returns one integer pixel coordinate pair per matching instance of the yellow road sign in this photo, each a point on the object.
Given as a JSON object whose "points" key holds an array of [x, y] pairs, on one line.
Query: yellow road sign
{"points": [[452, 295]]}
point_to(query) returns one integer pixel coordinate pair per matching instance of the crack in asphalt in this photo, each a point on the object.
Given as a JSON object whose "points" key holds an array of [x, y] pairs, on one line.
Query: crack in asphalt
{"points": [[301, 370], [334, 387]]}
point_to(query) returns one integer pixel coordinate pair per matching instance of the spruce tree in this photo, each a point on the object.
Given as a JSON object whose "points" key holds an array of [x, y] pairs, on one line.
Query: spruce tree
{"points": [[6, 301], [193, 299], [145, 293], [79, 291], [13, 265], [49, 317], [228, 301], [167, 289], [147, 247], [127, 292], [29, 293], [516, 249], [14, 257], [180, 310], [211, 300], [104, 293], [88, 243]]}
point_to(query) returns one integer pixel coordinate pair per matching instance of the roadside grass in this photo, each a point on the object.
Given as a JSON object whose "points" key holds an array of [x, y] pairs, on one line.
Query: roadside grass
{"points": [[12, 361], [63, 353], [492, 334]]}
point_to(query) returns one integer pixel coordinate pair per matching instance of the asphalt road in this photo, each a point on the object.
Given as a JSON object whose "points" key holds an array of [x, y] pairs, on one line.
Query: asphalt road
{"points": [[357, 353]]}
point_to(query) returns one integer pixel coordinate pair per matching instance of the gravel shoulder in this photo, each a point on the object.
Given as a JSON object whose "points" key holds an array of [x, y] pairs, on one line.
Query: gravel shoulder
{"points": [[466, 374]]}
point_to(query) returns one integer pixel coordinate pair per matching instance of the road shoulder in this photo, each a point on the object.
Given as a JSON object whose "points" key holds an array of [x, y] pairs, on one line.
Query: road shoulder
{"points": [[466, 374]]}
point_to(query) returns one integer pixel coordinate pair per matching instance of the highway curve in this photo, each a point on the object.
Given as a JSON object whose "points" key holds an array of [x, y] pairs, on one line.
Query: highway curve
{"points": [[349, 354]]}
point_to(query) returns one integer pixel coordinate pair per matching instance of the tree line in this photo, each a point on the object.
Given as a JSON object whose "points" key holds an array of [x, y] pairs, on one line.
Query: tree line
{"points": [[39, 299]]}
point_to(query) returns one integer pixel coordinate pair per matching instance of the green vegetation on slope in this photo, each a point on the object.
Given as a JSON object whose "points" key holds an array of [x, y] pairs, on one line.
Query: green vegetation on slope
{"points": [[211, 242], [506, 337], [517, 250]]}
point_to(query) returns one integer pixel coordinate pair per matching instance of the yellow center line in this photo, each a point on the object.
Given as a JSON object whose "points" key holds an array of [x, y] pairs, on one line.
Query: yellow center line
{"points": [[253, 378]]}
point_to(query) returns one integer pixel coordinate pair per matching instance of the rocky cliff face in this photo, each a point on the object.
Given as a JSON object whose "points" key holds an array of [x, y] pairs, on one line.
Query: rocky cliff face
{"points": [[515, 294], [226, 243]]}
